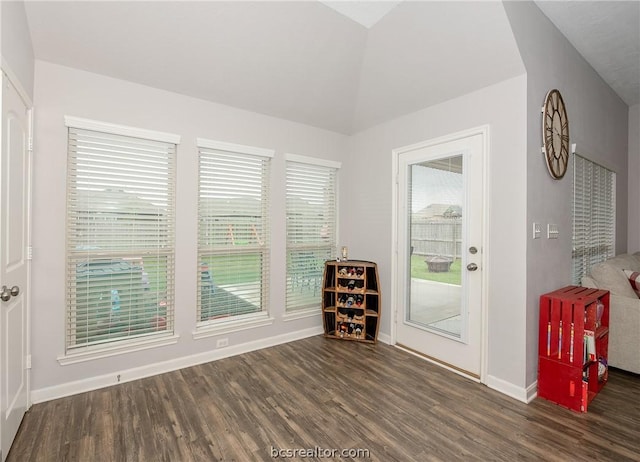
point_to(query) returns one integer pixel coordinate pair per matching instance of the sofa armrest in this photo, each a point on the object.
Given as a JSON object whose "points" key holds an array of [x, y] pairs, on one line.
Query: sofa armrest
{"points": [[626, 309], [624, 333]]}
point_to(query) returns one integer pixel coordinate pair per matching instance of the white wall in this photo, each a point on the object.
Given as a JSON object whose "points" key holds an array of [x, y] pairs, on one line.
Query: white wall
{"points": [[366, 208], [16, 48], [598, 125], [633, 236], [61, 91]]}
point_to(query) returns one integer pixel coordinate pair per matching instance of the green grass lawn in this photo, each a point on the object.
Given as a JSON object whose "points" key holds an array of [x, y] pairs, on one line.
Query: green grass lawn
{"points": [[234, 269], [248, 270], [420, 270], [242, 268]]}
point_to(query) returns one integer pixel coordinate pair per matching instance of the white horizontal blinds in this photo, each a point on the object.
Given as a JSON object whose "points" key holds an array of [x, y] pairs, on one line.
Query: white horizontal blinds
{"points": [[233, 234], [594, 216], [311, 230], [120, 238]]}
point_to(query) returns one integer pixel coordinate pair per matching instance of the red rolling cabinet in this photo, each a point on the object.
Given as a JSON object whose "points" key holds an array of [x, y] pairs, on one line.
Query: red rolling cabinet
{"points": [[573, 342]]}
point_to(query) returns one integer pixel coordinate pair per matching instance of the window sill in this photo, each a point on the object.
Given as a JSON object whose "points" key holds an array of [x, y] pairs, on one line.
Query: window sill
{"points": [[104, 351], [234, 324], [301, 314]]}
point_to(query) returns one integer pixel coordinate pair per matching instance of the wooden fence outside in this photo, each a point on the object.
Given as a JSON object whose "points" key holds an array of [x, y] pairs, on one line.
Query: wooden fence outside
{"points": [[437, 238]]}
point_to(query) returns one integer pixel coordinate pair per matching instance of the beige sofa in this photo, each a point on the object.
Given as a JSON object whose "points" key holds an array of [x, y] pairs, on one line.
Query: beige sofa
{"points": [[624, 314]]}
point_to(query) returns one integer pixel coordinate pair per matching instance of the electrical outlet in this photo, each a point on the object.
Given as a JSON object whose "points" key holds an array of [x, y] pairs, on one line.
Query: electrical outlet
{"points": [[222, 342]]}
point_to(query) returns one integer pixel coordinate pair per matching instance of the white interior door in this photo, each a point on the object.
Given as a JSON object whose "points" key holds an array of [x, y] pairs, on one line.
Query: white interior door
{"points": [[440, 248], [14, 229]]}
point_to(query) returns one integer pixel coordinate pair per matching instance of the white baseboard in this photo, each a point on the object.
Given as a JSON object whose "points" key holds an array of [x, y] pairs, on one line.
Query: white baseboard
{"points": [[524, 395], [94, 383], [532, 391]]}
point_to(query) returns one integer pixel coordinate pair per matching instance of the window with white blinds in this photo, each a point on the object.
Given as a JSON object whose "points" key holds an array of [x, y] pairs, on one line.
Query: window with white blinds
{"points": [[233, 230], [311, 227], [594, 215], [120, 234]]}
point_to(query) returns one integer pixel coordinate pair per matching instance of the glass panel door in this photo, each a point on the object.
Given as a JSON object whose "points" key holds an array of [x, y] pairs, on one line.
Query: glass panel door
{"points": [[439, 215], [435, 217]]}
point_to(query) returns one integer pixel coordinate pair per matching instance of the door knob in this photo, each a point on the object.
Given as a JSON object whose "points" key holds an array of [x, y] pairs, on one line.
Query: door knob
{"points": [[5, 295], [472, 267], [15, 290]]}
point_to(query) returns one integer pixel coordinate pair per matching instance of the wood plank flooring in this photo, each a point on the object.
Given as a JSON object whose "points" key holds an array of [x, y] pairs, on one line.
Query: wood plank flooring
{"points": [[326, 394]]}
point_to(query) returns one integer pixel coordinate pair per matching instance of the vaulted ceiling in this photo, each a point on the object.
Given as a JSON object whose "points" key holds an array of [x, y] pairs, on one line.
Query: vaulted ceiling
{"points": [[607, 35], [306, 62], [301, 61]]}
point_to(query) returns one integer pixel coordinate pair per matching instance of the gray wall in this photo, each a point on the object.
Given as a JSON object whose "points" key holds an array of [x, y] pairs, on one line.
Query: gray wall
{"points": [[633, 237], [365, 202], [598, 125], [367, 208], [17, 52], [520, 189], [61, 91]]}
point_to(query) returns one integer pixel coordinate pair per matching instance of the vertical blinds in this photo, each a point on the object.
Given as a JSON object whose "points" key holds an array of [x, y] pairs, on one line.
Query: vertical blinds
{"points": [[120, 237], [233, 232], [594, 216], [311, 230]]}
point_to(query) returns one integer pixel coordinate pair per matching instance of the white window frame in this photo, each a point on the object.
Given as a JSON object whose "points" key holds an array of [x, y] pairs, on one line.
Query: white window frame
{"points": [[233, 323], [593, 215], [293, 312], [79, 353]]}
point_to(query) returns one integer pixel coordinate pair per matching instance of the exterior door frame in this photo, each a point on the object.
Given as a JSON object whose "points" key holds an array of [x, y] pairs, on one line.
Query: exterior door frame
{"points": [[6, 72], [396, 291]]}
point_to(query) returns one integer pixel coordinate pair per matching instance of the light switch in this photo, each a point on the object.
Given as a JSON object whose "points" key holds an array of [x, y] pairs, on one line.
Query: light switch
{"points": [[537, 230], [552, 231]]}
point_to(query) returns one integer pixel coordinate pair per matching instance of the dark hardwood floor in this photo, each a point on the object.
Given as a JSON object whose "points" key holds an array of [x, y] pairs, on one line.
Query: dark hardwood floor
{"points": [[326, 394]]}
